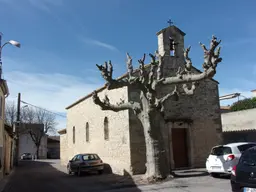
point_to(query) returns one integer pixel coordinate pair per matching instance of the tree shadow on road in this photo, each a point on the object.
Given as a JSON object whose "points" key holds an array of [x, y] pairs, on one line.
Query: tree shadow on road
{"points": [[42, 176]]}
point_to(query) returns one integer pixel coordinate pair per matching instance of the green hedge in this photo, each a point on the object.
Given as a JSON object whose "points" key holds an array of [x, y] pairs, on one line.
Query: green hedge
{"points": [[244, 104]]}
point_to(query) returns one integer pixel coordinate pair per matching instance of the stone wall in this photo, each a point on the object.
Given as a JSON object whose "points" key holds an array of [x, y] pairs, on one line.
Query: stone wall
{"points": [[116, 150], [239, 120], [64, 158], [8, 150], [126, 145], [2, 133], [2, 106], [138, 145], [202, 109]]}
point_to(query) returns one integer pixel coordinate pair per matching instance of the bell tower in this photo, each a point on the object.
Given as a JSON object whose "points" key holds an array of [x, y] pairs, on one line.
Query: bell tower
{"points": [[171, 41]]}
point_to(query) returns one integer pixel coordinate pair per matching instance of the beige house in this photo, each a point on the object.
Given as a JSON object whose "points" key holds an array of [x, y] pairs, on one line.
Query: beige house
{"points": [[4, 92], [193, 124], [8, 149]]}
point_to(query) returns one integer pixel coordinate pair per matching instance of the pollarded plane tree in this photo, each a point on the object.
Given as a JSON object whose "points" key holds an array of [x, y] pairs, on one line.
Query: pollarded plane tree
{"points": [[150, 108]]}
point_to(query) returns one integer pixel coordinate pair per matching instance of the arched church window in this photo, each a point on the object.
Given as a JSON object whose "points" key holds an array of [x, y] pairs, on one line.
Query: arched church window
{"points": [[106, 129], [74, 134], [87, 132]]}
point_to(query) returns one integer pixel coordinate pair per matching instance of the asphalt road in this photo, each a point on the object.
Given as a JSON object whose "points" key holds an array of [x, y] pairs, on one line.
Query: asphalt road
{"points": [[47, 176]]}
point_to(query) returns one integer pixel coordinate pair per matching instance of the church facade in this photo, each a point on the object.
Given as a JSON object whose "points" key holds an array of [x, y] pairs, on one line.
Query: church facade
{"points": [[192, 125]]}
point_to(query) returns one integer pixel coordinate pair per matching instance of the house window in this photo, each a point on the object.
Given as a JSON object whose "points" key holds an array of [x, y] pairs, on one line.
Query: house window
{"points": [[106, 129], [74, 134], [87, 132]]}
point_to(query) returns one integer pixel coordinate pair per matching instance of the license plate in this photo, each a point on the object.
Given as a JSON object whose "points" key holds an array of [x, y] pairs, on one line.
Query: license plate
{"points": [[246, 189], [216, 167]]}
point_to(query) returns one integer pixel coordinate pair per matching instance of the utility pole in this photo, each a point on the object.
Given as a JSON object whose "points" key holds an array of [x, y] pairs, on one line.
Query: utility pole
{"points": [[18, 108], [17, 129]]}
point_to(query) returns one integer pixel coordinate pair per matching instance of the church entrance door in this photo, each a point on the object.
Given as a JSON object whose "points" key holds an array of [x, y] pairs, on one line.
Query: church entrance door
{"points": [[180, 147]]}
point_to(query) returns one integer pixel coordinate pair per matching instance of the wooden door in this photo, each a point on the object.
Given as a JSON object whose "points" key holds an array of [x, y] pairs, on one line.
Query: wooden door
{"points": [[179, 147]]}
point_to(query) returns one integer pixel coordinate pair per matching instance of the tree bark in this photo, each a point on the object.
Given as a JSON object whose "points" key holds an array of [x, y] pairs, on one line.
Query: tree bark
{"points": [[156, 155], [37, 151]]}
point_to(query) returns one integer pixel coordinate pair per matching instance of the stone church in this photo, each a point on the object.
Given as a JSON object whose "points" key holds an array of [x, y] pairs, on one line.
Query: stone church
{"points": [[192, 124]]}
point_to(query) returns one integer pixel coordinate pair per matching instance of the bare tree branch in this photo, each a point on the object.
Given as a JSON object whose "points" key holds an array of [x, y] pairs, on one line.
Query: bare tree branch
{"points": [[188, 65], [151, 109], [38, 122], [29, 115], [160, 102], [106, 105], [129, 66], [160, 66], [10, 113], [190, 91], [107, 72], [148, 80], [174, 94], [36, 138], [211, 59], [142, 74], [151, 73]]}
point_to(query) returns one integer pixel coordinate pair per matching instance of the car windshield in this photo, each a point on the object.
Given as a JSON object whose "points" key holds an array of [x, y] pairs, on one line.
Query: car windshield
{"points": [[244, 147], [89, 157], [221, 150]]}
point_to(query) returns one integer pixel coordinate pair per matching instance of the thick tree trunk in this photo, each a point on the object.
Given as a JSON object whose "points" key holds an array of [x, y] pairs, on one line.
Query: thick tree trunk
{"points": [[37, 152], [157, 161]]}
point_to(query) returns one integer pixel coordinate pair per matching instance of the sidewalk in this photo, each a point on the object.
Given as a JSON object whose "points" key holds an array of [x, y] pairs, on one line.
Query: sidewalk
{"points": [[6, 179]]}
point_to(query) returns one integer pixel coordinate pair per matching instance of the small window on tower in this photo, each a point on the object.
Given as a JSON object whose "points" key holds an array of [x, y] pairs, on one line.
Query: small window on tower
{"points": [[172, 46]]}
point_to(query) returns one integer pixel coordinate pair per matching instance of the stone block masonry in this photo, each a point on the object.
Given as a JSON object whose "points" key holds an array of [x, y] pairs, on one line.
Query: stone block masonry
{"points": [[116, 150], [124, 148]]}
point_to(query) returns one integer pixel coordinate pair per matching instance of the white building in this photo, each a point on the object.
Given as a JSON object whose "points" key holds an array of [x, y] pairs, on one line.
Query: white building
{"points": [[27, 145]]}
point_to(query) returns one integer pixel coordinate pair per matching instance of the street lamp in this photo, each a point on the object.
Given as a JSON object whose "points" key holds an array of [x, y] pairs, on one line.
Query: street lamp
{"points": [[11, 42]]}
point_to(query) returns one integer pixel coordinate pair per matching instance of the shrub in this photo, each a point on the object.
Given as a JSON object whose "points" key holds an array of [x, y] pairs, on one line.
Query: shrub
{"points": [[244, 104]]}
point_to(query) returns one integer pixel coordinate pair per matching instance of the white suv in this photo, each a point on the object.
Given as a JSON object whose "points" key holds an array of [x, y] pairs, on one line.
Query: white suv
{"points": [[224, 157]]}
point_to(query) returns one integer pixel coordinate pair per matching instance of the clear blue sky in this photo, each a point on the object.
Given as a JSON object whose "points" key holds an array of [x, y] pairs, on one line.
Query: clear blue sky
{"points": [[62, 40]]}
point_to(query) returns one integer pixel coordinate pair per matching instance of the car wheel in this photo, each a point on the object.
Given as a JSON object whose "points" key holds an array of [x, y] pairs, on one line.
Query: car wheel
{"points": [[215, 175], [69, 171], [100, 172]]}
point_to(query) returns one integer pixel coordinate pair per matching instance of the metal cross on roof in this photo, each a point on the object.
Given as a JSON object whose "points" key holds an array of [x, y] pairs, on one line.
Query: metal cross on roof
{"points": [[170, 22]]}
